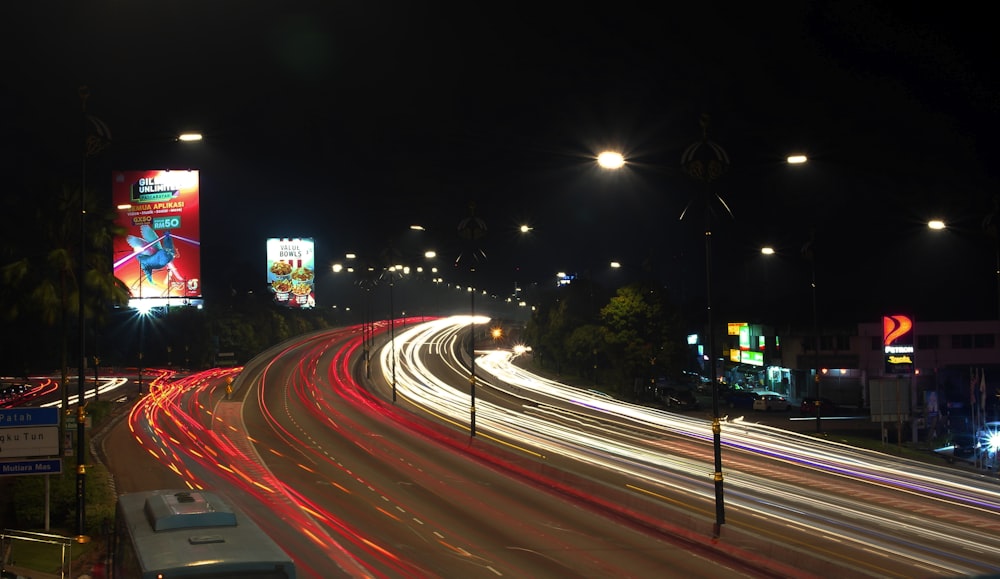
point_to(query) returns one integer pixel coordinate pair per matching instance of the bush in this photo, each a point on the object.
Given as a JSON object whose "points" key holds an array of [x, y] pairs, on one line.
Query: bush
{"points": [[29, 509]]}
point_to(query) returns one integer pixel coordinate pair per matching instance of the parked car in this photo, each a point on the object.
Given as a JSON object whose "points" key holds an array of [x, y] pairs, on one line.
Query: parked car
{"points": [[768, 402], [961, 446], [740, 398], [964, 445], [826, 406], [679, 399]]}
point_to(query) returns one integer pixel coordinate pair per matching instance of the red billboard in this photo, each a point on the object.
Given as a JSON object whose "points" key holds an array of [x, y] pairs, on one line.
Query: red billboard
{"points": [[160, 255]]}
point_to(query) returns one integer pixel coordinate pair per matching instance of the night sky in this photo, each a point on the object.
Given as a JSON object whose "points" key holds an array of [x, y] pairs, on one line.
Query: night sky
{"points": [[347, 122]]}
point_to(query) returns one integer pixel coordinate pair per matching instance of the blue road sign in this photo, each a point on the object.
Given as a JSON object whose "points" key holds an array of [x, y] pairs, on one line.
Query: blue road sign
{"points": [[29, 417], [38, 466]]}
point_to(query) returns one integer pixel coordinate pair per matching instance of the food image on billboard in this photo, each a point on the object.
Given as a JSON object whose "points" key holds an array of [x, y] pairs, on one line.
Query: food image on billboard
{"points": [[291, 271], [160, 254]]}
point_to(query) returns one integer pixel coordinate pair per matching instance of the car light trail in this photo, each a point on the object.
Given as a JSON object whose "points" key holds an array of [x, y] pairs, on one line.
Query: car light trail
{"points": [[627, 439]]}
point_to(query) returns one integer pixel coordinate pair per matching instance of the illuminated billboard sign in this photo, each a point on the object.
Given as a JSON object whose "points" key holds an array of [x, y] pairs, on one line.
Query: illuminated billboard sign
{"points": [[160, 255], [897, 341], [291, 269]]}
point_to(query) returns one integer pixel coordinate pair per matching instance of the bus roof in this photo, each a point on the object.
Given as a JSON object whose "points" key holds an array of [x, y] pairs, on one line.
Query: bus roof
{"points": [[186, 532]]}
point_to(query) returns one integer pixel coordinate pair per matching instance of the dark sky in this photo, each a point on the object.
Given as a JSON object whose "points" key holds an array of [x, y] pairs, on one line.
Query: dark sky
{"points": [[346, 122]]}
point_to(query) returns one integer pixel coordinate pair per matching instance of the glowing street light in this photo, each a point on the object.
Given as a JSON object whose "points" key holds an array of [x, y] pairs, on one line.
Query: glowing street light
{"points": [[797, 159], [705, 161], [611, 160], [936, 224], [189, 137]]}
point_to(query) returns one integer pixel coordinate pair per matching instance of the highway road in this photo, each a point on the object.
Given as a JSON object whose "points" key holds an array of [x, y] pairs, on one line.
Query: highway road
{"points": [[352, 486], [836, 509], [557, 482]]}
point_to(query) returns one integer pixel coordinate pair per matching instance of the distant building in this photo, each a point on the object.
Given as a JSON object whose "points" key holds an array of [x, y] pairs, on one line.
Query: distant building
{"points": [[935, 371]]}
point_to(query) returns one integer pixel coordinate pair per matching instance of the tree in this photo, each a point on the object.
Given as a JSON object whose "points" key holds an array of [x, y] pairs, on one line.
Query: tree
{"points": [[643, 333], [40, 272], [568, 308]]}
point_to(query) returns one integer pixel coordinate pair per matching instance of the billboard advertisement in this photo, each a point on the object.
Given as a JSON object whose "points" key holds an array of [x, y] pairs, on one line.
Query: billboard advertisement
{"points": [[291, 271], [160, 255]]}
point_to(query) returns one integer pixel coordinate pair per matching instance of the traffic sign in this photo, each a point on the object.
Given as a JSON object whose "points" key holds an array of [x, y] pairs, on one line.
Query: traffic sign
{"points": [[29, 441], [17, 417], [39, 466]]}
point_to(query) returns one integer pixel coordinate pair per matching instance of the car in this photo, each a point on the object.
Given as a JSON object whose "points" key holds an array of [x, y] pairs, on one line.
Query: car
{"points": [[961, 446], [808, 406], [679, 399], [741, 398], [768, 402], [964, 445]]}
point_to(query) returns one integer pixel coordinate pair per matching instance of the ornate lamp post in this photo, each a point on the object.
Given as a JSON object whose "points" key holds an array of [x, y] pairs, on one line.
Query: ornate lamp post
{"points": [[706, 161]]}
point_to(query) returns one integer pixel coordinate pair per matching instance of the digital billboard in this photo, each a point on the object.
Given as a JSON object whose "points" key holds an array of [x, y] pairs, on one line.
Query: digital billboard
{"points": [[159, 258], [291, 271]]}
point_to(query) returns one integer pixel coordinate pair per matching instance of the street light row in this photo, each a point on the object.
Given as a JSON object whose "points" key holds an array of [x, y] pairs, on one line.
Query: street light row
{"points": [[615, 160]]}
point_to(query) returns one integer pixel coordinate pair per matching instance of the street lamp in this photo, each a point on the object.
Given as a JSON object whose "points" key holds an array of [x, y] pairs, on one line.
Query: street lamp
{"points": [[991, 230], [392, 329], [472, 229], [808, 251], [705, 161]]}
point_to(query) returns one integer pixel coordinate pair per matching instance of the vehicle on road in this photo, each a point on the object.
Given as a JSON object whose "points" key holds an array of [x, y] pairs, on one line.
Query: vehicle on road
{"points": [[808, 406], [191, 533], [769, 402]]}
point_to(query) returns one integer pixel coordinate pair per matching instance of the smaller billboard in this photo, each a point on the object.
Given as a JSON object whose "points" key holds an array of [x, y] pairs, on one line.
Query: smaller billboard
{"points": [[897, 339], [291, 271]]}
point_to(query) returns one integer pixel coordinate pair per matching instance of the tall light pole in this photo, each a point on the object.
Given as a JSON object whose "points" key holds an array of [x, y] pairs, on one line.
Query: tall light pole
{"points": [[705, 161], [472, 229], [808, 252], [81, 469], [392, 330], [811, 254], [95, 138]]}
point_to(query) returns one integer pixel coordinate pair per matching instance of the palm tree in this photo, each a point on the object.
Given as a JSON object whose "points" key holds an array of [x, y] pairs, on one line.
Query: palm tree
{"points": [[40, 268]]}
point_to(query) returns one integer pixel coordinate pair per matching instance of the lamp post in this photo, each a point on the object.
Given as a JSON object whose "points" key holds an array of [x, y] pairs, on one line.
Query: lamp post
{"points": [[392, 330], [367, 282], [704, 161], [81, 469], [472, 229], [809, 252], [819, 402]]}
